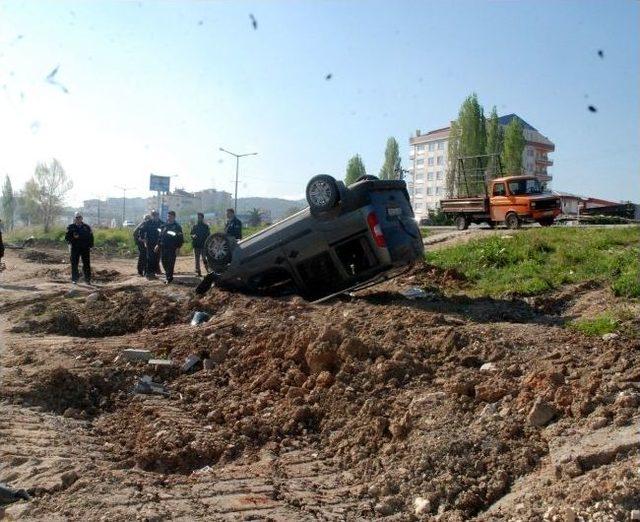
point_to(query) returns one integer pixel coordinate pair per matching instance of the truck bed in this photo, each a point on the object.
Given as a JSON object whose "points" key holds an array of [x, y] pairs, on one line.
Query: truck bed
{"points": [[472, 205]]}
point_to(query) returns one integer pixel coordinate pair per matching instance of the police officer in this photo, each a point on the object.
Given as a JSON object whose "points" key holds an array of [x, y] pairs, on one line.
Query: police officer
{"points": [[80, 239], [142, 251], [170, 240], [234, 225], [150, 234], [199, 234]]}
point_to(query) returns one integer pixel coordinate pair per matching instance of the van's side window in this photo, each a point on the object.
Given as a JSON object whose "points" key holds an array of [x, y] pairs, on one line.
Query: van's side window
{"points": [[498, 189]]}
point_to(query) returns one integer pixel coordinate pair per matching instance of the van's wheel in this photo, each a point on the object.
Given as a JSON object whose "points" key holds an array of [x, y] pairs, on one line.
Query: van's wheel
{"points": [[546, 222], [512, 221], [322, 193], [218, 248], [462, 223]]}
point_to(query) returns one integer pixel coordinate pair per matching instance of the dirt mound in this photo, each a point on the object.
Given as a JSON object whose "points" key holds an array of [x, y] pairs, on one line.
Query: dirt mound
{"points": [[62, 391], [105, 276], [42, 256], [112, 312]]}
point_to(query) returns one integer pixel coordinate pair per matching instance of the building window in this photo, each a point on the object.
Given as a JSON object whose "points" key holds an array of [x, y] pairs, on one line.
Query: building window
{"points": [[438, 191], [420, 161], [417, 194], [529, 152], [429, 161], [420, 147], [439, 162], [429, 191], [430, 176], [439, 174], [419, 176], [441, 145], [432, 146]]}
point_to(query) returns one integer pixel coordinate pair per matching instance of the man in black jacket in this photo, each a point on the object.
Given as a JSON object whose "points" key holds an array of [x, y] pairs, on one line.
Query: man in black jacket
{"points": [[142, 251], [233, 227], [80, 239], [199, 234], [170, 240], [150, 235]]}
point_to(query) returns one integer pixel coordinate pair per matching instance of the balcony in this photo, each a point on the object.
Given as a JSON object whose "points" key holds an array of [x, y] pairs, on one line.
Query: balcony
{"points": [[541, 160]]}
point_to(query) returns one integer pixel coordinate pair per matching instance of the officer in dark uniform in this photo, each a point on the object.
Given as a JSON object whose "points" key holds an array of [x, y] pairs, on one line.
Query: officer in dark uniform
{"points": [[199, 234], [80, 239], [234, 225], [150, 235], [142, 251], [171, 239]]}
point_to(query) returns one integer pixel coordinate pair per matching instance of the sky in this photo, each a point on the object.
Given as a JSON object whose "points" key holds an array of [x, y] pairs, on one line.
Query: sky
{"points": [[159, 86]]}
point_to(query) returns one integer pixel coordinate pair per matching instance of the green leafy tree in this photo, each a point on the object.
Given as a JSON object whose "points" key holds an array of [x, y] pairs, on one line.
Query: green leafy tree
{"points": [[471, 137], [355, 169], [392, 167], [255, 217], [44, 193], [513, 147], [494, 143], [8, 203]]}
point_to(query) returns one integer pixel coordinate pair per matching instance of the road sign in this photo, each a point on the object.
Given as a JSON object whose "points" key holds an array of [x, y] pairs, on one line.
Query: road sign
{"points": [[159, 183]]}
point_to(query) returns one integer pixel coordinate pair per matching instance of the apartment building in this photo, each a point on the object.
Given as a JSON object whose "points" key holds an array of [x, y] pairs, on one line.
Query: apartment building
{"points": [[428, 159]]}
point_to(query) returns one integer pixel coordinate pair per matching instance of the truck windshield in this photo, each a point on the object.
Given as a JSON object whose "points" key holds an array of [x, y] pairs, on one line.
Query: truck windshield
{"points": [[525, 186]]}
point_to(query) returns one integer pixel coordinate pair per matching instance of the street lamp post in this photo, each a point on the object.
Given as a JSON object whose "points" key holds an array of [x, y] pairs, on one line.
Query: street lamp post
{"points": [[124, 201], [237, 156]]}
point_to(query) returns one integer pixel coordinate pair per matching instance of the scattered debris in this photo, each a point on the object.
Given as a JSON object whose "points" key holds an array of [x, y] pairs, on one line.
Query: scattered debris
{"points": [[160, 362], [208, 364], [414, 293], [199, 318], [146, 386], [190, 363], [489, 367], [421, 505], [610, 336], [541, 413], [9, 495]]}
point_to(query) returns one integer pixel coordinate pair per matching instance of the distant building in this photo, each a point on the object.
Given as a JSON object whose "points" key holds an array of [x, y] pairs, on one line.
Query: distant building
{"points": [[428, 171]]}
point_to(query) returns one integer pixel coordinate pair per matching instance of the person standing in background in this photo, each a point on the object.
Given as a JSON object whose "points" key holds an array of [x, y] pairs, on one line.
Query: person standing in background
{"points": [[199, 234], [80, 239], [142, 251], [169, 242], [233, 227], [150, 234]]}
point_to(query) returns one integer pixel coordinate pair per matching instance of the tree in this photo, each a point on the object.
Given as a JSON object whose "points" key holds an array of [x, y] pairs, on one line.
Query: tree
{"points": [[355, 169], [291, 211], [392, 167], [8, 203], [44, 193], [255, 217], [471, 137], [494, 142], [513, 147]]}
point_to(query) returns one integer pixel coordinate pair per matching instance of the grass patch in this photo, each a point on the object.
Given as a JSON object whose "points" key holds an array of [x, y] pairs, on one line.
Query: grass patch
{"points": [[597, 326], [535, 261]]}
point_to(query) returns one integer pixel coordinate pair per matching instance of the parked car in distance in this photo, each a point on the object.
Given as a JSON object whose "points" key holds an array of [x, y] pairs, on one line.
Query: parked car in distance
{"points": [[348, 238], [512, 199], [128, 224]]}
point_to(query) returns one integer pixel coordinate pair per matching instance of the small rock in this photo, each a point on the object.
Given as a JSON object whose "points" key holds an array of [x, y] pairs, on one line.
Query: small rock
{"points": [[160, 362], [97, 363], [569, 515], [385, 508], [599, 422], [208, 364], [93, 298], [199, 318], [74, 292], [68, 478], [635, 514], [610, 336], [489, 367], [421, 505], [627, 399], [489, 410], [132, 354], [541, 413], [190, 363], [325, 380]]}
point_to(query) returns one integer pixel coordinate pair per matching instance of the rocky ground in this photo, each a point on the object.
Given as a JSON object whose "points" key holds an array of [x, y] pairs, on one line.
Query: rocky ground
{"points": [[437, 408]]}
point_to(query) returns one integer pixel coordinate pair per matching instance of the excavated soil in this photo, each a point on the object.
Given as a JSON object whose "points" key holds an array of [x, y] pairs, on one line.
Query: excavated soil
{"points": [[43, 257], [417, 408]]}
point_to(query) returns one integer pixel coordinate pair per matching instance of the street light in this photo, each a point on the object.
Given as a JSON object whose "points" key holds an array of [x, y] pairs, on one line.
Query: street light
{"points": [[124, 200], [237, 156]]}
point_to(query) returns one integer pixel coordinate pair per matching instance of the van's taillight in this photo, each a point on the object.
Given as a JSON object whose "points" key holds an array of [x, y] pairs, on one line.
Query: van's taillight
{"points": [[376, 230]]}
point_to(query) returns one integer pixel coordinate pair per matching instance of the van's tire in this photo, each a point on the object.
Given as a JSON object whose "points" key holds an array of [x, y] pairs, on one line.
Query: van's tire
{"points": [[547, 222], [512, 221], [462, 223], [218, 250], [322, 193]]}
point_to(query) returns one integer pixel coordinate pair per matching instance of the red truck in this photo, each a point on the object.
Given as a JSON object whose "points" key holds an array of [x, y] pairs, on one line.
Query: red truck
{"points": [[512, 200]]}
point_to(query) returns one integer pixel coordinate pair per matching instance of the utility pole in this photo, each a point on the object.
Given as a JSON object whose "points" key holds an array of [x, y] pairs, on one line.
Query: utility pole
{"points": [[237, 156], [124, 201]]}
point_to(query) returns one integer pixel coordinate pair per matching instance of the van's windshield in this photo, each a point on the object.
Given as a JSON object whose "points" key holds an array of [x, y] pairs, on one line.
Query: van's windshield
{"points": [[525, 186]]}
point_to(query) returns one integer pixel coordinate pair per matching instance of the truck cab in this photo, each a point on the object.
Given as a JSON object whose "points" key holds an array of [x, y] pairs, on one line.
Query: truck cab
{"points": [[516, 199]]}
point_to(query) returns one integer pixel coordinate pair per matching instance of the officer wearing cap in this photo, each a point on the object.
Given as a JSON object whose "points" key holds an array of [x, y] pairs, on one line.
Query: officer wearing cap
{"points": [[142, 251], [80, 239], [170, 240], [150, 235]]}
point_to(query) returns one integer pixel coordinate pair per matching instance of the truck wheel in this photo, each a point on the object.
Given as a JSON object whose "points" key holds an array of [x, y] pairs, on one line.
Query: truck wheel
{"points": [[322, 193], [512, 220], [218, 249], [462, 223], [546, 222]]}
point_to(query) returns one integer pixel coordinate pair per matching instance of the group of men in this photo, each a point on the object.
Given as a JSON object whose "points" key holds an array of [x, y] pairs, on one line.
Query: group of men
{"points": [[159, 242]]}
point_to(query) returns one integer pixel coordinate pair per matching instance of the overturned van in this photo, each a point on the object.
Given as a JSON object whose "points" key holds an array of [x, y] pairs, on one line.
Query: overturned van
{"points": [[348, 238]]}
